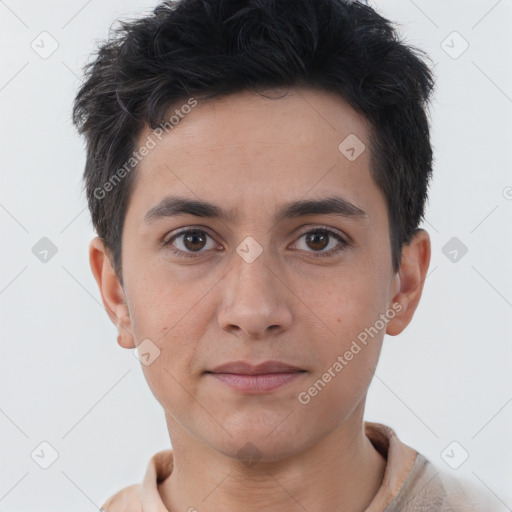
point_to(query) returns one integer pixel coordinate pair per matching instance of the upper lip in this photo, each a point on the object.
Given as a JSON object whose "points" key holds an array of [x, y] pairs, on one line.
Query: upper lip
{"points": [[244, 368]]}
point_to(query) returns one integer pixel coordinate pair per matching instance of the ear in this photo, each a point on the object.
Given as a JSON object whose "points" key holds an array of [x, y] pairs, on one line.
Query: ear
{"points": [[409, 281], [112, 293]]}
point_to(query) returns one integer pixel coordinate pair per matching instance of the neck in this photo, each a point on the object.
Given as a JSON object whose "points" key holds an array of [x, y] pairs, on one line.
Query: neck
{"points": [[343, 472]]}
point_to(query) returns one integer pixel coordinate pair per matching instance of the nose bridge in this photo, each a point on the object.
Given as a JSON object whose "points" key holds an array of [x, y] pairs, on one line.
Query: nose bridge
{"points": [[252, 278], [253, 296]]}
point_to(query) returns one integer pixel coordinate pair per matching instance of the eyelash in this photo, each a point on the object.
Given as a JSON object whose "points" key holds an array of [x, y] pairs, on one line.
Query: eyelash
{"points": [[319, 230]]}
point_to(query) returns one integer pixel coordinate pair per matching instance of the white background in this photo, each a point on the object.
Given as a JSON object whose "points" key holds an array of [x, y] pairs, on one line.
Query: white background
{"points": [[65, 380]]}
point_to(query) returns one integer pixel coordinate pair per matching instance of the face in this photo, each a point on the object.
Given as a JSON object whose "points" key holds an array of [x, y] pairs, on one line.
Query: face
{"points": [[266, 271]]}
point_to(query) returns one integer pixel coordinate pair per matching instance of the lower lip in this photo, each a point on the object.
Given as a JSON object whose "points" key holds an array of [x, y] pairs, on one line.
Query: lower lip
{"points": [[256, 384]]}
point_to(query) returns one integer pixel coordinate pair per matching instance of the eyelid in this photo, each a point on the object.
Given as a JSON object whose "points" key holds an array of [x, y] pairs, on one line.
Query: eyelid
{"points": [[180, 231], [321, 227]]}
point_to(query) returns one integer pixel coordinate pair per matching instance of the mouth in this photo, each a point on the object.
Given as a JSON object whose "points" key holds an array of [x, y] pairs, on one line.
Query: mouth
{"points": [[256, 379]]}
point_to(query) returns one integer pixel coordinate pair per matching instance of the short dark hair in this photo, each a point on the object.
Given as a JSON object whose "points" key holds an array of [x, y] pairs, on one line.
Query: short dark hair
{"points": [[212, 48]]}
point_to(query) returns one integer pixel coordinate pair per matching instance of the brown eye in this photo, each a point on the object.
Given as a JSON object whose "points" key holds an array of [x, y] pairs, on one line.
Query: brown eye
{"points": [[317, 240], [190, 241], [194, 240]]}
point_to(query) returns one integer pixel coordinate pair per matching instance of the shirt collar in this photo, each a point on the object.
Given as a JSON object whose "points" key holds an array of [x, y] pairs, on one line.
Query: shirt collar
{"points": [[399, 460]]}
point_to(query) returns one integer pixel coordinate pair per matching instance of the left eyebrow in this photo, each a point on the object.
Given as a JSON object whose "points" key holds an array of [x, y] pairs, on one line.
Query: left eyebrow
{"points": [[176, 206], [334, 205]]}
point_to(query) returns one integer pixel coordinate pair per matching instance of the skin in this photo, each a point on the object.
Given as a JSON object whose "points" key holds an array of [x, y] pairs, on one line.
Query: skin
{"points": [[252, 154]]}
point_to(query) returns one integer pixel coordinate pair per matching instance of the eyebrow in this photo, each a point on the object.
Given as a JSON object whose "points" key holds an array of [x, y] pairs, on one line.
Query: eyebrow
{"points": [[175, 206]]}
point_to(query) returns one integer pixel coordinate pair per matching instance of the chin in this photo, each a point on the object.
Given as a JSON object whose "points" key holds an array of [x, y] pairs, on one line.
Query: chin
{"points": [[253, 445]]}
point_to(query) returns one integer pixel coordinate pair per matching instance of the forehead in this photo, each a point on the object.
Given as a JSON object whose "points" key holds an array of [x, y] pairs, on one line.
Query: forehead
{"points": [[248, 152]]}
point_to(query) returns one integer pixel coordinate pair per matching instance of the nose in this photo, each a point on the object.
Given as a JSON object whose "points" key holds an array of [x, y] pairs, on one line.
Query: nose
{"points": [[256, 303]]}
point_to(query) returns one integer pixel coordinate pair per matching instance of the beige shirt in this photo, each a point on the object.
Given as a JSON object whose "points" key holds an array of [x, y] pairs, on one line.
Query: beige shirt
{"points": [[411, 483]]}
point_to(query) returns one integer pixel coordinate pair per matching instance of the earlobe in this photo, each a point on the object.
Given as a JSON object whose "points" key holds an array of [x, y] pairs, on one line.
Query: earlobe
{"points": [[112, 293], [410, 280]]}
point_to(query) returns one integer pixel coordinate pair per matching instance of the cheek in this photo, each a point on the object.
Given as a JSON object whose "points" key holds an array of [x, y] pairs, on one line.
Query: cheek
{"points": [[348, 302], [348, 362], [163, 304], [350, 306], [171, 376], [165, 320]]}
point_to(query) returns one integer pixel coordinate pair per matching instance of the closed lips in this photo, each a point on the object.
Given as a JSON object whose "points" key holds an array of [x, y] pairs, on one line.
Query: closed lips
{"points": [[244, 368]]}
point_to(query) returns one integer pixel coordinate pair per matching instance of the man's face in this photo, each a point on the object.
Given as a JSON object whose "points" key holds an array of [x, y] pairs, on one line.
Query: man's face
{"points": [[253, 287]]}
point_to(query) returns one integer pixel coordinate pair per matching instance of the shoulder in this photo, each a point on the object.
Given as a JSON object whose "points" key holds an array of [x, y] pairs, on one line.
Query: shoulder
{"points": [[133, 497], [125, 500], [428, 487]]}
